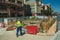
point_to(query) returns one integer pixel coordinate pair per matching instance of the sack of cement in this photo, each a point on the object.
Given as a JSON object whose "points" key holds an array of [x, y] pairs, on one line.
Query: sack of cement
{"points": [[9, 28]]}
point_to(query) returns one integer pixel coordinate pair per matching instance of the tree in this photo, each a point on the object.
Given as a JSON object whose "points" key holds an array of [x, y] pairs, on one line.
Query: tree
{"points": [[48, 12]]}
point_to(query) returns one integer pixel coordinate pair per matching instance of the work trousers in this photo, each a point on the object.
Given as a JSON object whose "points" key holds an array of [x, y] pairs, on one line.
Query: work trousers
{"points": [[17, 31]]}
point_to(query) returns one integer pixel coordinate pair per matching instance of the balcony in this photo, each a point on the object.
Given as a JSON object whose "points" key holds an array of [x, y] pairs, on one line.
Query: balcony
{"points": [[3, 14], [19, 3], [3, 7], [2, 0], [11, 3], [20, 9]]}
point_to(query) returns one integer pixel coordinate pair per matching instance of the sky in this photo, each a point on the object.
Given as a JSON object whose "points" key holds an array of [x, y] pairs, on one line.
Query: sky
{"points": [[55, 4]]}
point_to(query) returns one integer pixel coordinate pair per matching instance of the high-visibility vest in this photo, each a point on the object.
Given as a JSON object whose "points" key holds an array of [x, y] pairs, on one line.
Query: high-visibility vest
{"points": [[19, 24]]}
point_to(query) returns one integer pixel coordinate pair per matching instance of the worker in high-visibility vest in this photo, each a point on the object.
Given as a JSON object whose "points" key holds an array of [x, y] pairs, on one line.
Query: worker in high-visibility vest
{"points": [[19, 27]]}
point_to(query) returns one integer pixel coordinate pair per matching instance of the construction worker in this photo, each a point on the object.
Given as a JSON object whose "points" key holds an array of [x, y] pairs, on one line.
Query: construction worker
{"points": [[19, 27]]}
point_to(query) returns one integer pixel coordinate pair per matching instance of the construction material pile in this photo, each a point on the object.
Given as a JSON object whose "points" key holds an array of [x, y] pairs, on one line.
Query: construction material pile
{"points": [[43, 25], [46, 24], [13, 24], [10, 28]]}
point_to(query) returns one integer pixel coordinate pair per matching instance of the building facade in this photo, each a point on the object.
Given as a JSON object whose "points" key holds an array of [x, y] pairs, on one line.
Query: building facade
{"points": [[34, 4], [11, 8]]}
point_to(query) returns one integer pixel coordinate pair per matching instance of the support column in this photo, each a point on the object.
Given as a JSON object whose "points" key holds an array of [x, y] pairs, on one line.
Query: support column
{"points": [[16, 12], [23, 13], [9, 13], [15, 1]]}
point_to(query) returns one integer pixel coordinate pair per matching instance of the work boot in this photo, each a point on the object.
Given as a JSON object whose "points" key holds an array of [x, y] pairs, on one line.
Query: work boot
{"points": [[17, 36]]}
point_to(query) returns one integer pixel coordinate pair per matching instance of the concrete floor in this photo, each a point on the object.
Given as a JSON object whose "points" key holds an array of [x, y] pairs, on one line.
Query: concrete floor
{"points": [[56, 36], [10, 35]]}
